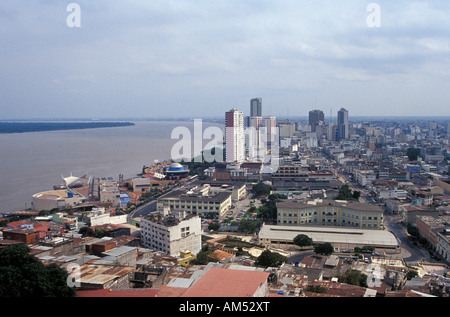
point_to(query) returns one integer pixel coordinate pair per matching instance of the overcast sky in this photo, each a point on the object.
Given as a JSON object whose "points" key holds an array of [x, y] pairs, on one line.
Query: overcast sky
{"points": [[197, 58]]}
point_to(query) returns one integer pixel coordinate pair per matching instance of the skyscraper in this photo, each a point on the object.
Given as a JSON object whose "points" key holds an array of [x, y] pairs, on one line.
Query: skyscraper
{"points": [[271, 126], [315, 117], [234, 136], [342, 125], [256, 107]]}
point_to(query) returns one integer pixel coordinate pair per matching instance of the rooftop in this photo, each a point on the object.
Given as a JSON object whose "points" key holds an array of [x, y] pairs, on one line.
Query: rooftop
{"points": [[219, 282], [328, 234], [328, 202]]}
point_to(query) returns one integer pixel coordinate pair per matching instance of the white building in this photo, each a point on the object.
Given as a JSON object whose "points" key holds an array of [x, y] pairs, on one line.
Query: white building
{"points": [[109, 191], [172, 232], [234, 136], [365, 177]]}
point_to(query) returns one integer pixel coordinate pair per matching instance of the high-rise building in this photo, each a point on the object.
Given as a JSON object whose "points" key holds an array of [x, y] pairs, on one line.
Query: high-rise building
{"points": [[256, 107], [342, 125], [315, 117], [271, 126], [234, 136]]}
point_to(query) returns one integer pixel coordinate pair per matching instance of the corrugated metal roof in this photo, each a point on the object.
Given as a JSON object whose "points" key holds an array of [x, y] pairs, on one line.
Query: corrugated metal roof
{"points": [[181, 282], [101, 274]]}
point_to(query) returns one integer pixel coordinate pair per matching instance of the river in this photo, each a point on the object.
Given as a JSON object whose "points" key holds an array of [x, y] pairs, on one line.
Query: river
{"points": [[36, 161]]}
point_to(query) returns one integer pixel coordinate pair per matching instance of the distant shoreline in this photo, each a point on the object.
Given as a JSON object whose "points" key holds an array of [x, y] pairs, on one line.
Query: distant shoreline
{"points": [[23, 127]]}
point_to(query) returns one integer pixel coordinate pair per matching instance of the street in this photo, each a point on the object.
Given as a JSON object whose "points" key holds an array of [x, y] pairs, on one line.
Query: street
{"points": [[409, 252]]}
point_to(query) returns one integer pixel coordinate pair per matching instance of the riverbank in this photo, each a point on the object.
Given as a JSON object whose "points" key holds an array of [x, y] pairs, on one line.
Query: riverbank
{"points": [[23, 127]]}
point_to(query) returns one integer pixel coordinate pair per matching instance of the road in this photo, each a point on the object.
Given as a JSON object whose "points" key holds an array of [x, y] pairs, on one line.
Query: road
{"points": [[409, 252], [150, 206]]}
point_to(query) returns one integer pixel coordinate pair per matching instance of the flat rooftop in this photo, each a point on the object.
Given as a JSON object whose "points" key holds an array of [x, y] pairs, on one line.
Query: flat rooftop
{"points": [[330, 234], [354, 205]]}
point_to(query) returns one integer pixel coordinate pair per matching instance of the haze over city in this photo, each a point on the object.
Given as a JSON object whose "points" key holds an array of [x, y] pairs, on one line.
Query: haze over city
{"points": [[201, 58]]}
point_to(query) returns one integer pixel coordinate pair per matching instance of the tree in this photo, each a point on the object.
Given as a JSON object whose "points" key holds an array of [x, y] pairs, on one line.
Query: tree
{"points": [[23, 275], [325, 248], [413, 154], [261, 189], [303, 240], [249, 225], [353, 277], [214, 226], [345, 193], [269, 258]]}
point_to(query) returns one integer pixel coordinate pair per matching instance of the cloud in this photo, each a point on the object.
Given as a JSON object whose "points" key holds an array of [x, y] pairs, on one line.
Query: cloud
{"points": [[158, 58]]}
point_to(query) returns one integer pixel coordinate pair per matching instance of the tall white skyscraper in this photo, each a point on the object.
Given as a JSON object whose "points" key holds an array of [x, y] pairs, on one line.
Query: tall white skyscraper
{"points": [[234, 136]]}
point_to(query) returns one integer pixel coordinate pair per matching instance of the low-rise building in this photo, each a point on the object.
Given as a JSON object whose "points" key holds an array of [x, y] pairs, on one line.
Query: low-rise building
{"points": [[443, 243], [282, 237], [197, 201], [56, 199], [325, 212], [141, 185]]}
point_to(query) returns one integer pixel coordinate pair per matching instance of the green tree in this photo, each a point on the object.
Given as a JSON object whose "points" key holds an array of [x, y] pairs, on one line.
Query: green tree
{"points": [[345, 193], [303, 240], [214, 226], [325, 248], [261, 189], [86, 231], [23, 275], [249, 225], [269, 258], [353, 277], [413, 154]]}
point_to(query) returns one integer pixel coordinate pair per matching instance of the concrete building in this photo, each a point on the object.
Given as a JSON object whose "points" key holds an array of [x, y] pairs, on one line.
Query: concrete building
{"points": [[122, 255], [315, 118], [429, 226], [234, 136], [342, 125], [49, 200], [365, 177], [172, 232], [330, 213], [443, 243], [141, 185], [270, 124], [256, 107], [109, 192], [197, 201], [238, 189], [281, 237]]}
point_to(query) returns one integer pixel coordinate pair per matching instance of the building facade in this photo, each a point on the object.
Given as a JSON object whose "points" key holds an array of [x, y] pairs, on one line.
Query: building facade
{"points": [[335, 213], [234, 136], [172, 232], [197, 201], [315, 117], [256, 107], [342, 125]]}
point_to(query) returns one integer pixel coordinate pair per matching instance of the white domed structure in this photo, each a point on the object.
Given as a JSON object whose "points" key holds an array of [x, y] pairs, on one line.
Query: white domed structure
{"points": [[176, 171]]}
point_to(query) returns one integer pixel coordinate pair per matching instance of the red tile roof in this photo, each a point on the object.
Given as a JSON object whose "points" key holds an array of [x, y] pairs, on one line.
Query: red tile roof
{"points": [[219, 282]]}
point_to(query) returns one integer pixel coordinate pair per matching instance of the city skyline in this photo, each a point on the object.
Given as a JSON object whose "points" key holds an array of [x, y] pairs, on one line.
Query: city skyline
{"points": [[157, 59]]}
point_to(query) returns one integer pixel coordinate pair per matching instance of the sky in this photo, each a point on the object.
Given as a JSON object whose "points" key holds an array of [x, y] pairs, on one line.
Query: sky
{"points": [[200, 58]]}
